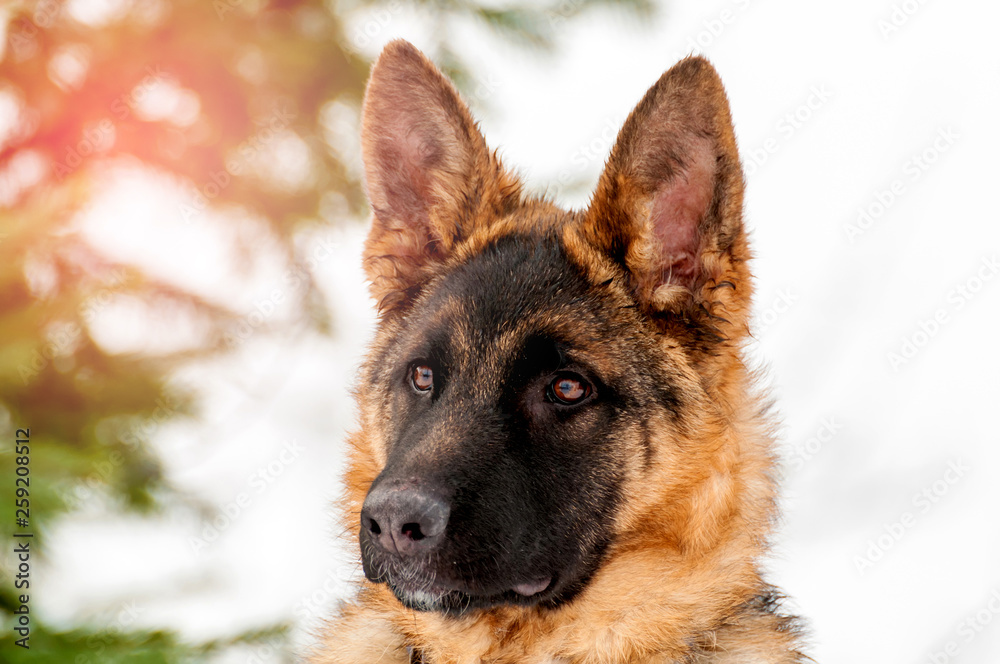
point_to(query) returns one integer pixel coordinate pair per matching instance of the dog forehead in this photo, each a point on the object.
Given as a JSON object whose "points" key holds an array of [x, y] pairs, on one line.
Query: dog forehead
{"points": [[516, 287]]}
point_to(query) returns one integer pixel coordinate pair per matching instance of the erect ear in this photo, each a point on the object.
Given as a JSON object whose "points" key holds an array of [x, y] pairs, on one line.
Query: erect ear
{"points": [[668, 207], [431, 179]]}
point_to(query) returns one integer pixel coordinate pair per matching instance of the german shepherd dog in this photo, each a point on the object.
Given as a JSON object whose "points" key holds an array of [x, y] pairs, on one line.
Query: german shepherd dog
{"points": [[562, 456]]}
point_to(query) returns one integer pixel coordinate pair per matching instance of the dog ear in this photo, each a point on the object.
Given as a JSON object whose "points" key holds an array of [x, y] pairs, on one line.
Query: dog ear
{"points": [[668, 207], [429, 173]]}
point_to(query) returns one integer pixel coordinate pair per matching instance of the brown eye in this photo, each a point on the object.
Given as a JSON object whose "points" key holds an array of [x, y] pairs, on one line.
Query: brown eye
{"points": [[569, 390], [422, 378]]}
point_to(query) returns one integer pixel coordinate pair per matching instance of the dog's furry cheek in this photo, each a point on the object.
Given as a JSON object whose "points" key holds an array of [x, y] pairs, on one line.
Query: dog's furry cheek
{"points": [[363, 636]]}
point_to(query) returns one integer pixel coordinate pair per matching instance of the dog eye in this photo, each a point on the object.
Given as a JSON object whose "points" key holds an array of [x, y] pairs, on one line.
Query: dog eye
{"points": [[422, 378], [569, 389]]}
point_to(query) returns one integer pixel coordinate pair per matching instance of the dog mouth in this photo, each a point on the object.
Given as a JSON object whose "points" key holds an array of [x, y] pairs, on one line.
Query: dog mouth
{"points": [[532, 588], [433, 595]]}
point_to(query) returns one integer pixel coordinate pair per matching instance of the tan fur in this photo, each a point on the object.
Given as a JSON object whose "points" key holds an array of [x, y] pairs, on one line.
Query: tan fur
{"points": [[681, 582]]}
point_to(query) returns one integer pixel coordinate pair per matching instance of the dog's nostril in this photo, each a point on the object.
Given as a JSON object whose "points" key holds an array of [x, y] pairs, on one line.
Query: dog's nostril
{"points": [[412, 530], [374, 527]]}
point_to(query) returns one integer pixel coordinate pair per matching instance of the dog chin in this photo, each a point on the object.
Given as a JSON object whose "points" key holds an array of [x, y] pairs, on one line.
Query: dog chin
{"points": [[422, 600]]}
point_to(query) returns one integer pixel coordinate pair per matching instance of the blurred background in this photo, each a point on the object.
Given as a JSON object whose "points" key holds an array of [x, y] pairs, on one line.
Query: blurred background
{"points": [[182, 309]]}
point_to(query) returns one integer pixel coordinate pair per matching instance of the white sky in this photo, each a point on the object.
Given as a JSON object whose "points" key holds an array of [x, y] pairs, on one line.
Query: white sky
{"points": [[862, 437]]}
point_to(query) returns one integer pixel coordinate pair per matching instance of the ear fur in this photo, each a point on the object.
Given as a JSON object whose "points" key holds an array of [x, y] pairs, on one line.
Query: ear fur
{"points": [[430, 176], [668, 207]]}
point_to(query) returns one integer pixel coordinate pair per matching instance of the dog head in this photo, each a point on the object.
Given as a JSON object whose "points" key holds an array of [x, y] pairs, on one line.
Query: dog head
{"points": [[546, 388]]}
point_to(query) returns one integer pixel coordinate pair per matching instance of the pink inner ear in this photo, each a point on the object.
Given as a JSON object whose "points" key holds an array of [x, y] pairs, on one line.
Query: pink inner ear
{"points": [[402, 162], [679, 207]]}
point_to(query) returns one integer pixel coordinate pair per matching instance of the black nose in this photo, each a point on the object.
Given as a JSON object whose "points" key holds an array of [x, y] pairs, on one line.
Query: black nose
{"points": [[407, 520]]}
